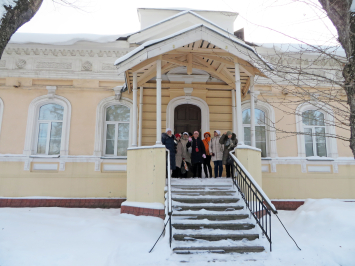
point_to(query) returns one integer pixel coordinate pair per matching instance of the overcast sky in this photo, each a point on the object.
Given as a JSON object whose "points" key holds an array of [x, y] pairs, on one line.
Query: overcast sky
{"points": [[294, 18]]}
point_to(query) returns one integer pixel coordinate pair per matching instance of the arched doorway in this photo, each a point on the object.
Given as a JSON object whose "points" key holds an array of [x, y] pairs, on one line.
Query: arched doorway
{"points": [[187, 118]]}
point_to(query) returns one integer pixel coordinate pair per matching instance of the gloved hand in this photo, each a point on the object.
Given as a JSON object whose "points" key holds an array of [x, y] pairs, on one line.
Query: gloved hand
{"points": [[190, 139], [204, 156]]}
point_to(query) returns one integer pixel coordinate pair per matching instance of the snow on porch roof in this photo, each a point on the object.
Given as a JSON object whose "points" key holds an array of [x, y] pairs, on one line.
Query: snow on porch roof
{"points": [[183, 12], [153, 42]]}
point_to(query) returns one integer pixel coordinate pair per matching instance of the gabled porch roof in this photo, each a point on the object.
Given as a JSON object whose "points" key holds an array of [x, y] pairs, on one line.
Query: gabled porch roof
{"points": [[199, 47]]}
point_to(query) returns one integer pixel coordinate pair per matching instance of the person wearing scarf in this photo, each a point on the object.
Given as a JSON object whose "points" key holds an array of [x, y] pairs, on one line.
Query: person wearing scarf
{"points": [[207, 160]]}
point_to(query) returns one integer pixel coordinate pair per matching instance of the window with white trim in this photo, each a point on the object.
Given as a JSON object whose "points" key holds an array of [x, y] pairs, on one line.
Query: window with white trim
{"points": [[314, 129], [49, 128], [117, 130], [260, 130]]}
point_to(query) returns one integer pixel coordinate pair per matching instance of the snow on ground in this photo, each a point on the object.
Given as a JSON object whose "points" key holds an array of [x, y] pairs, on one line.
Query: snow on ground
{"points": [[324, 229]]}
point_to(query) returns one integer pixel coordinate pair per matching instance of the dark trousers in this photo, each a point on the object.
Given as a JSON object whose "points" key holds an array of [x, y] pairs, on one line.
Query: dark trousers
{"points": [[229, 170], [207, 164], [176, 172], [218, 168], [197, 169]]}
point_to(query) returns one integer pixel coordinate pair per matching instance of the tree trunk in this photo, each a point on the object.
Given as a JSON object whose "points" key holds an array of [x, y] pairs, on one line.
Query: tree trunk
{"points": [[339, 13], [15, 17]]}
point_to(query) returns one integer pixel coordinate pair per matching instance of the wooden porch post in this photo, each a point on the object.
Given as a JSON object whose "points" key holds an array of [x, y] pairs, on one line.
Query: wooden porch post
{"points": [[134, 120], [252, 112], [234, 114], [140, 116], [158, 83], [238, 102]]}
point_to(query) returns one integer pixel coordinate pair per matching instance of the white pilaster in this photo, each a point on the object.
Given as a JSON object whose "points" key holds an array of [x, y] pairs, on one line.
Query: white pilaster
{"points": [[134, 120], [140, 116], [238, 103], [234, 114], [252, 111], [158, 82]]}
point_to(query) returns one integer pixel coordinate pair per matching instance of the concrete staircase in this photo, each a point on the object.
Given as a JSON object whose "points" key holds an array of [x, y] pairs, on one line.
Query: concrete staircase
{"points": [[211, 218]]}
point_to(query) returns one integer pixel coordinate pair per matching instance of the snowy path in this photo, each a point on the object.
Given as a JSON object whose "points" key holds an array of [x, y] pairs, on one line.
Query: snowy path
{"points": [[324, 229]]}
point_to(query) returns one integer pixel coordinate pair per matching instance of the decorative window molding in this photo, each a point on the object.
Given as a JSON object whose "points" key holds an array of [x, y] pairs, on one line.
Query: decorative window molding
{"points": [[271, 149], [1, 112], [205, 111], [331, 143], [32, 121], [99, 147]]}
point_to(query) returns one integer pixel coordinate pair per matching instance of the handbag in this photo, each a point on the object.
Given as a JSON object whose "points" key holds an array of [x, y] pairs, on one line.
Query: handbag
{"points": [[184, 167], [230, 160]]}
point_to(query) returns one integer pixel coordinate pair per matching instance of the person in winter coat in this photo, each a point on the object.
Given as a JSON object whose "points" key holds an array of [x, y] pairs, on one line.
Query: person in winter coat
{"points": [[197, 155], [178, 156], [216, 151], [207, 160], [186, 152], [229, 141], [168, 139]]}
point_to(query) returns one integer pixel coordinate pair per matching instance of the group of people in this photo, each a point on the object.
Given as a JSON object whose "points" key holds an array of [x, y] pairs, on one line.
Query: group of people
{"points": [[188, 153]]}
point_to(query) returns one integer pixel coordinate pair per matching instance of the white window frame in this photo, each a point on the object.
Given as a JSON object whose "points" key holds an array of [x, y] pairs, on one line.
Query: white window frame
{"points": [[271, 148], [32, 124], [331, 143], [49, 129], [313, 130], [116, 133], [257, 124], [100, 127]]}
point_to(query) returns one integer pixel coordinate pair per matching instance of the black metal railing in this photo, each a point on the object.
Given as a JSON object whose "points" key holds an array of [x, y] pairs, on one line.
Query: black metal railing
{"points": [[168, 202], [254, 197]]}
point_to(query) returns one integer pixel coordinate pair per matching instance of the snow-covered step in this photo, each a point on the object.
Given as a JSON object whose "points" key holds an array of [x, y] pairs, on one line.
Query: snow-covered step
{"points": [[219, 208], [214, 237], [204, 193], [205, 199], [223, 226], [211, 217], [218, 249]]}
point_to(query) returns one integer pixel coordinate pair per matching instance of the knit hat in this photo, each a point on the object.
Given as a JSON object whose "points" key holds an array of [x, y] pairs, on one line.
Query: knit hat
{"points": [[207, 133], [168, 129], [177, 135], [218, 132], [185, 133], [229, 133], [197, 132]]}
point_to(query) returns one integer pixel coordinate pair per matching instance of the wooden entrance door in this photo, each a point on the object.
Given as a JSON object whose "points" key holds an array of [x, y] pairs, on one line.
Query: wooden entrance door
{"points": [[187, 118]]}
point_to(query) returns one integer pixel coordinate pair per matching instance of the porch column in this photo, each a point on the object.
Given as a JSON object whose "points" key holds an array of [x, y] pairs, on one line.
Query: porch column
{"points": [[234, 115], [158, 84], [134, 120], [252, 112], [238, 102], [140, 116]]}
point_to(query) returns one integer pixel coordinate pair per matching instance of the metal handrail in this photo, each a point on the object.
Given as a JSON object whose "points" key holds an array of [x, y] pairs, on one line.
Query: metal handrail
{"points": [[258, 203], [170, 211], [169, 205]]}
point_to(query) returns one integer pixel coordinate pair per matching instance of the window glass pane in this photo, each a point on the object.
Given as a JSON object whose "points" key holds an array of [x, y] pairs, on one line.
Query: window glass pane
{"points": [[313, 118], [110, 139], [321, 141], [246, 116], [260, 133], [42, 138], [56, 135], [259, 117], [308, 142], [122, 141], [262, 146], [117, 113], [247, 137], [51, 112]]}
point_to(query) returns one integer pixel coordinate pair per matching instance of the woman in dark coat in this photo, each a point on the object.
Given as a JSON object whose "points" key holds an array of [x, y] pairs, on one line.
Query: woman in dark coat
{"points": [[168, 139], [197, 155], [229, 142]]}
